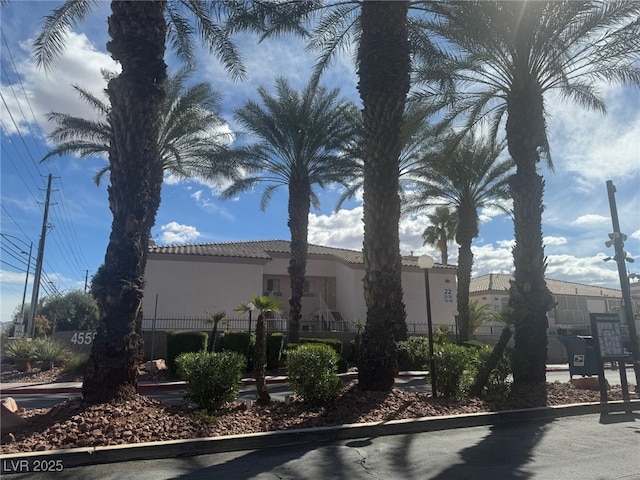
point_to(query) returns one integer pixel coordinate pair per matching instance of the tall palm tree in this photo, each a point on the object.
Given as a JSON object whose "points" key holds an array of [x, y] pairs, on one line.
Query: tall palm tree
{"points": [[467, 175], [263, 304], [139, 32], [190, 138], [302, 137], [442, 231], [384, 65], [508, 57]]}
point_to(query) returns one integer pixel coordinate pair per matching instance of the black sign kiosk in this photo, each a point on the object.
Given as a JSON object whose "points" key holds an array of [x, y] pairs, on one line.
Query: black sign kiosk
{"points": [[605, 329]]}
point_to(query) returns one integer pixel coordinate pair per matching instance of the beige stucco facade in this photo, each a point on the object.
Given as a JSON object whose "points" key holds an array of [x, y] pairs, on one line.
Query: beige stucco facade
{"points": [[189, 281]]}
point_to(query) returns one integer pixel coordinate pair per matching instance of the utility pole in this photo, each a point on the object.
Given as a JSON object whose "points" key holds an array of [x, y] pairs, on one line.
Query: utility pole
{"points": [[36, 280], [617, 239], [86, 278], [26, 281]]}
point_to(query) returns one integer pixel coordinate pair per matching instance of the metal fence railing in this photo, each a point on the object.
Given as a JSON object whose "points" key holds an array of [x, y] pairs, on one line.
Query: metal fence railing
{"points": [[272, 325]]}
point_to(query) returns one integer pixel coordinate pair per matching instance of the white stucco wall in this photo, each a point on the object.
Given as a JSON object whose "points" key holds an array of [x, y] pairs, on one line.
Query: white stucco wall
{"points": [[189, 288]]}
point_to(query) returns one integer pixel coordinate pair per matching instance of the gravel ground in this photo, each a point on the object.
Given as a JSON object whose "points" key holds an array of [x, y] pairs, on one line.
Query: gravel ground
{"points": [[71, 424]]}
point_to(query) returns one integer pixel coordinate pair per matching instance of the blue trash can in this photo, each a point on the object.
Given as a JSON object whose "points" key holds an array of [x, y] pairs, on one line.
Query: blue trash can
{"points": [[581, 353]]}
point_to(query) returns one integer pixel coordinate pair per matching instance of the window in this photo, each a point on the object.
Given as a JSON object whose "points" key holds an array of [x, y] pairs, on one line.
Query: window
{"points": [[273, 285]]}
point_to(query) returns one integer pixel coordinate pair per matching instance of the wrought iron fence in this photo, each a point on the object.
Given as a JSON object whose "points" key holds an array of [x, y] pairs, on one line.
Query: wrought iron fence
{"points": [[272, 325]]}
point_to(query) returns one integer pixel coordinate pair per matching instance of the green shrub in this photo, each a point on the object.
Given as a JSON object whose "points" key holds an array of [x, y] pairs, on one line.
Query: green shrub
{"points": [[312, 373], [275, 341], [240, 342], [334, 343], [22, 351], [51, 352], [184, 342], [498, 378], [76, 365], [343, 365], [212, 378], [456, 367], [413, 353]]}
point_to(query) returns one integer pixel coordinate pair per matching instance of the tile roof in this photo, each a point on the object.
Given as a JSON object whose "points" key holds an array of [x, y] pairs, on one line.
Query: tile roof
{"points": [[500, 282], [263, 249]]}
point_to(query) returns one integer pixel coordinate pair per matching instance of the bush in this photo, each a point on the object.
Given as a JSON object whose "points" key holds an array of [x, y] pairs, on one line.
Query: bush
{"points": [[497, 383], [240, 342], [456, 367], [212, 378], [274, 350], [51, 352], [22, 351], [413, 354], [334, 343], [312, 373], [76, 365], [184, 342]]}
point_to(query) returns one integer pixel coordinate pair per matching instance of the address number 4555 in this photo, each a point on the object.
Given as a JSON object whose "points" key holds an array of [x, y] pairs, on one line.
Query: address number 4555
{"points": [[83, 338]]}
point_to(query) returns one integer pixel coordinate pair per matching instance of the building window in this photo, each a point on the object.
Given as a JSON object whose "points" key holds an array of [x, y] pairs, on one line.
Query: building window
{"points": [[273, 285]]}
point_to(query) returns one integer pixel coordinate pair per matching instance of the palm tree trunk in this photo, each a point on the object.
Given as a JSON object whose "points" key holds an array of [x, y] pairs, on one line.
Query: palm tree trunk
{"points": [[138, 33], [529, 297], [299, 206], [260, 365], [384, 66], [466, 231], [485, 370]]}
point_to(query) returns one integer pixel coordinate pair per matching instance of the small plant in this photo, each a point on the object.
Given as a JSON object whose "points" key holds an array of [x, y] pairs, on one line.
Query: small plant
{"points": [[312, 373], [22, 352], [75, 366], [413, 354], [212, 378], [50, 352], [455, 367]]}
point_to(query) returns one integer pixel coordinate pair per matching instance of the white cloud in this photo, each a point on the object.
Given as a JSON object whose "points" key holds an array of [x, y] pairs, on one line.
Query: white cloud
{"points": [[554, 240], [590, 219], [80, 64], [174, 232]]}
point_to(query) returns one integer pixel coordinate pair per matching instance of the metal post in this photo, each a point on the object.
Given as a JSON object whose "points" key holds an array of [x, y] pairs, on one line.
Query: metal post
{"points": [[153, 328], [620, 256], [425, 262], [38, 272]]}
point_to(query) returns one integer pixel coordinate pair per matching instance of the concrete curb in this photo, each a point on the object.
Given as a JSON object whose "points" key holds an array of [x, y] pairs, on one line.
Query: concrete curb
{"points": [[178, 448]]}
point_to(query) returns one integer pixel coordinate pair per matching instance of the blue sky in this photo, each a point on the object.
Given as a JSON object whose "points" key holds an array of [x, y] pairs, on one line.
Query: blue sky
{"points": [[588, 149]]}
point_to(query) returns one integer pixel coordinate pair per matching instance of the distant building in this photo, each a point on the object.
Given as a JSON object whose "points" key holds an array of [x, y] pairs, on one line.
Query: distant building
{"points": [[574, 301]]}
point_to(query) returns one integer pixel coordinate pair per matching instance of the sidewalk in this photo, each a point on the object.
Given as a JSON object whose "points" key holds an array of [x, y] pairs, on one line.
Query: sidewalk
{"points": [[13, 389]]}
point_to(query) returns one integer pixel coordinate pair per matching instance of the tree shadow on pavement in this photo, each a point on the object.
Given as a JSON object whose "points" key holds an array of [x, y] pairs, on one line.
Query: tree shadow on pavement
{"points": [[503, 453]]}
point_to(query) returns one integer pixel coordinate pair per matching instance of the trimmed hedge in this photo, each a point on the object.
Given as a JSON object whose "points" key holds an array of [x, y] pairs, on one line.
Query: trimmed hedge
{"points": [[334, 343], [213, 378], [184, 342], [239, 342], [312, 373]]}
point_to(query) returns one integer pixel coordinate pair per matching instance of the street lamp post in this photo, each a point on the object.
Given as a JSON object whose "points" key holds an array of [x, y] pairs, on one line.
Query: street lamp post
{"points": [[425, 262], [251, 308]]}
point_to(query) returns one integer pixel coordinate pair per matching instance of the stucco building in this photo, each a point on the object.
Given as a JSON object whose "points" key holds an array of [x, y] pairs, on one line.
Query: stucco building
{"points": [[186, 281]]}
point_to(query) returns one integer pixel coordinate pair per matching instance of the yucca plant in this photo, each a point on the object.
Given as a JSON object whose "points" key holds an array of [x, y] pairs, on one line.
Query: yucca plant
{"points": [[50, 352], [22, 352]]}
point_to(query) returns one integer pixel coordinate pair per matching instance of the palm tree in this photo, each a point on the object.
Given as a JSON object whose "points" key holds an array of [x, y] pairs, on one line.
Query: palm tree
{"points": [[508, 57], [302, 137], [214, 319], [263, 305], [442, 231], [190, 139], [384, 64], [139, 32], [467, 175]]}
